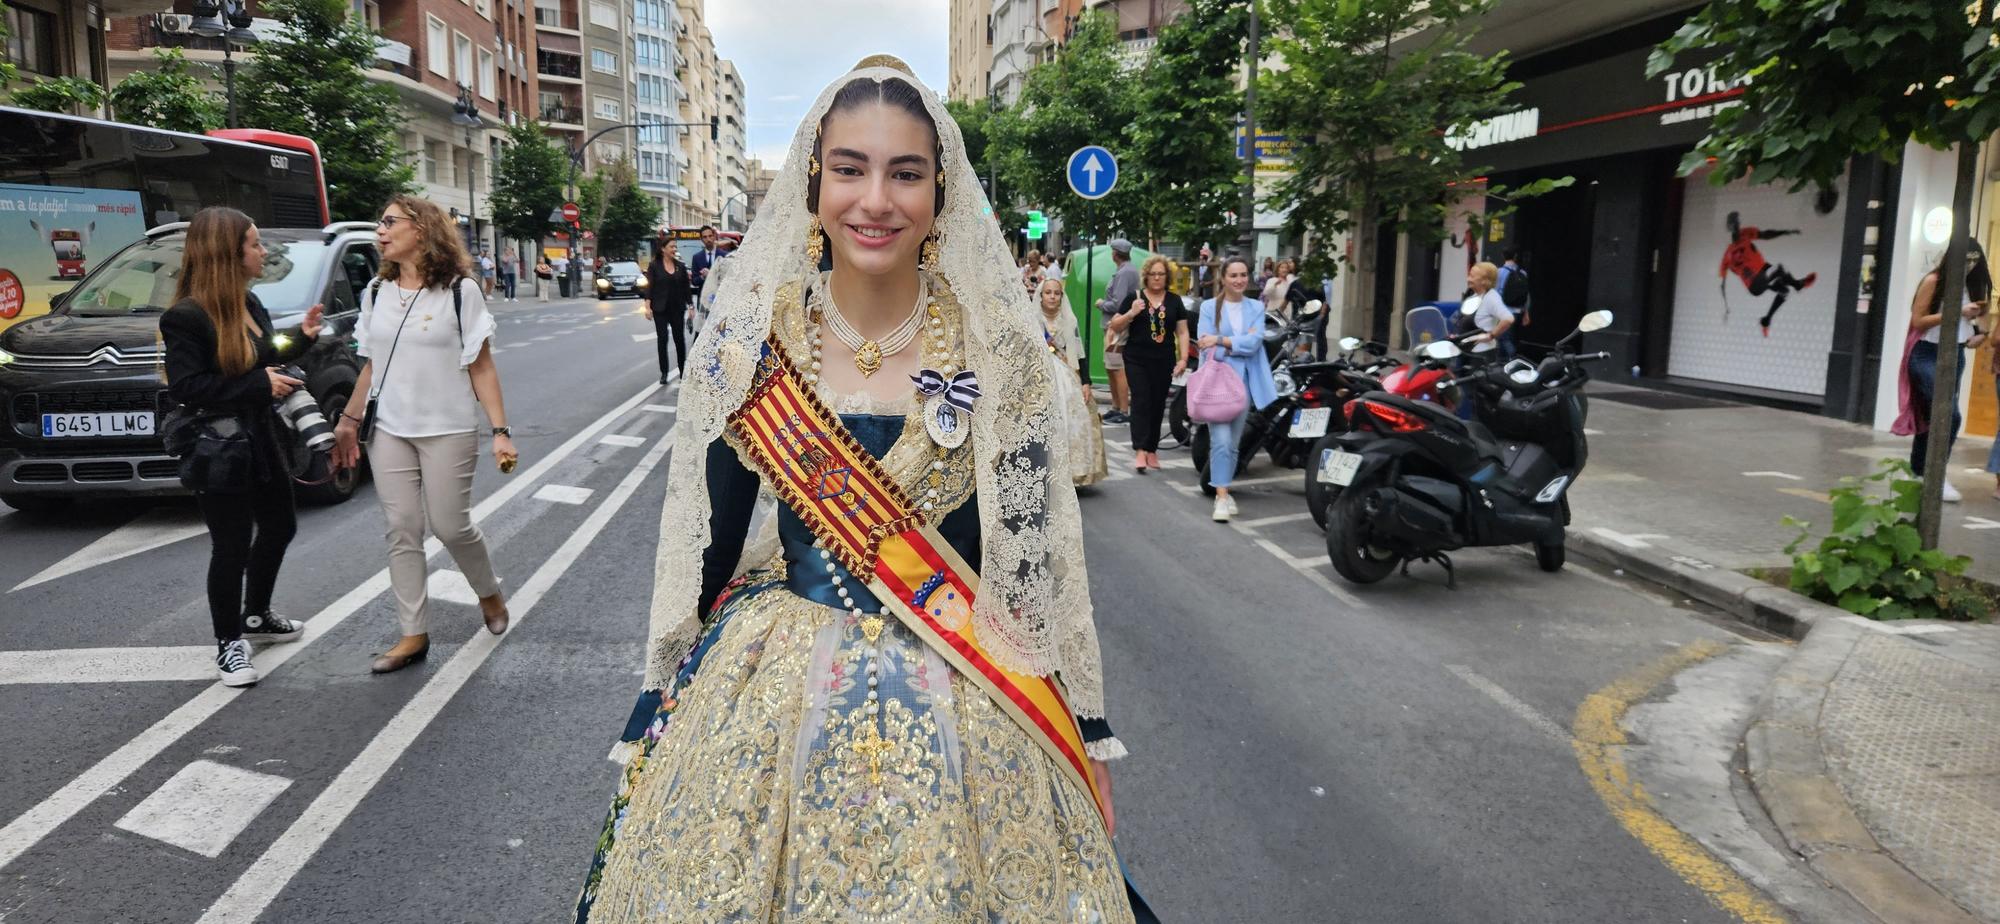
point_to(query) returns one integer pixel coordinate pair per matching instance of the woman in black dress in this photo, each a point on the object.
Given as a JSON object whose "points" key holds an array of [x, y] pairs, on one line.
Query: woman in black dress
{"points": [[1156, 353], [667, 287], [220, 359]]}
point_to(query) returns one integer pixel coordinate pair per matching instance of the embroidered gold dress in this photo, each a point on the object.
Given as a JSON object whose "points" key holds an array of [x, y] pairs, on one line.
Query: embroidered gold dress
{"points": [[768, 787]]}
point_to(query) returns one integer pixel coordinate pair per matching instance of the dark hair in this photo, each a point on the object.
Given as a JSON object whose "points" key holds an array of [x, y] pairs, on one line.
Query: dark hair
{"points": [[1978, 279], [1510, 254], [708, 228], [893, 92]]}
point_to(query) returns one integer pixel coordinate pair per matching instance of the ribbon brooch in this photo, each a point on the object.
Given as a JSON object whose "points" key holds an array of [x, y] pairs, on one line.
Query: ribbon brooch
{"points": [[947, 405]]}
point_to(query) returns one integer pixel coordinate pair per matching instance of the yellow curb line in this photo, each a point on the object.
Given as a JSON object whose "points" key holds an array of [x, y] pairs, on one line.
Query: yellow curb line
{"points": [[1599, 742]]}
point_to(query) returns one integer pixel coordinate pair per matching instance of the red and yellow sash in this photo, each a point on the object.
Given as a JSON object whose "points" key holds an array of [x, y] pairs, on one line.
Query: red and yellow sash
{"points": [[862, 517]]}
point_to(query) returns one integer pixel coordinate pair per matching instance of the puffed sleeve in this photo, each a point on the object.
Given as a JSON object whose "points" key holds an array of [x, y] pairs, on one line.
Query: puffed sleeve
{"points": [[476, 325]]}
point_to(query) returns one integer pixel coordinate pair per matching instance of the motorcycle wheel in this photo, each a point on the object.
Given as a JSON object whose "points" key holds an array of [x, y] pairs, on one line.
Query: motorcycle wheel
{"points": [[1319, 495], [1550, 555], [1199, 446], [1347, 545]]}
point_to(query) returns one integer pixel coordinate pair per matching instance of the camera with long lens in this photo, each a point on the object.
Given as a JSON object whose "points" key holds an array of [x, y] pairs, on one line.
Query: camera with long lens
{"points": [[301, 412]]}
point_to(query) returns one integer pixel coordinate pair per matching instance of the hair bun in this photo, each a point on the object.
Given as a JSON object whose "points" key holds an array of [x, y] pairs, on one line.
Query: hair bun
{"points": [[889, 61]]}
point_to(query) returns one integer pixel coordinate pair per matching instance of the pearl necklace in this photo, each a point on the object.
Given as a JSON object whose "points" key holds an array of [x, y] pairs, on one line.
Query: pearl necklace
{"points": [[868, 354]]}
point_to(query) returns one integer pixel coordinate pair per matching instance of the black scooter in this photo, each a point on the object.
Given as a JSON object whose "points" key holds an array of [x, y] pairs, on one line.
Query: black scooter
{"points": [[1416, 482]]}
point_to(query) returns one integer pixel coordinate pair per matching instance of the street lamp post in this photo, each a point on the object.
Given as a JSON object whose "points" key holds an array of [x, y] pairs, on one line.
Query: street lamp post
{"points": [[466, 112], [228, 20]]}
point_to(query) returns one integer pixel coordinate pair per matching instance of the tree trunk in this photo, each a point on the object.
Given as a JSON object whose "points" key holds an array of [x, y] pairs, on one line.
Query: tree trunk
{"points": [[1944, 397], [1360, 308]]}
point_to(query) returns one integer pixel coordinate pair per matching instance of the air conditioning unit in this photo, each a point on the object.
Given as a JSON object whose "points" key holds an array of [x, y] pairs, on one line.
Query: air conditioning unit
{"points": [[175, 23]]}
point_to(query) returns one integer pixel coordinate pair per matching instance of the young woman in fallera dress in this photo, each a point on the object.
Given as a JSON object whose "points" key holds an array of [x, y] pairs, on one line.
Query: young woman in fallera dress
{"points": [[826, 731]]}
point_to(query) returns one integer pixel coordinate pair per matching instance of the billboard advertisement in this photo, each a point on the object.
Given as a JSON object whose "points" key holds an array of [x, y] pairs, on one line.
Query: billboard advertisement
{"points": [[50, 236]]}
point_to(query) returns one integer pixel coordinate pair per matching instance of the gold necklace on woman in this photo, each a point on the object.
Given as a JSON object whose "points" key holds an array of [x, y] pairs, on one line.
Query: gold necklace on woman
{"points": [[869, 354]]}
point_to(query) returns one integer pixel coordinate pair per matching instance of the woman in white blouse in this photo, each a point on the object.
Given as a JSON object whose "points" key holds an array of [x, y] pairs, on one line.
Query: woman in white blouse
{"points": [[429, 368]]}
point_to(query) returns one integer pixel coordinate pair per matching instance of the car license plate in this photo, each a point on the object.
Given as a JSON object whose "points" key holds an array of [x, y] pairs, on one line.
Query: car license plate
{"points": [[1338, 468], [1309, 423], [114, 423]]}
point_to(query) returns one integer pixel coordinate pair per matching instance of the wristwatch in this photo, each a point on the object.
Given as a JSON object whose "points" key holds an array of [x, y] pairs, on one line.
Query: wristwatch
{"points": [[502, 431]]}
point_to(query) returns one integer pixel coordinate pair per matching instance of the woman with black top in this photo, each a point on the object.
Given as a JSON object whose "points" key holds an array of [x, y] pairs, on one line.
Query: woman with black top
{"points": [[667, 286], [220, 359], [1155, 354]]}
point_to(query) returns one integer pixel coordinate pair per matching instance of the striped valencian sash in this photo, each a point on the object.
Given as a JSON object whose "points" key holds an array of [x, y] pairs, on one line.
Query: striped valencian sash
{"points": [[861, 516]]}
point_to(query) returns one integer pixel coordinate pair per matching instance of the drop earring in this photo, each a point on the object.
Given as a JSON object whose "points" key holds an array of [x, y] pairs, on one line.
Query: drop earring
{"points": [[815, 242], [929, 258]]}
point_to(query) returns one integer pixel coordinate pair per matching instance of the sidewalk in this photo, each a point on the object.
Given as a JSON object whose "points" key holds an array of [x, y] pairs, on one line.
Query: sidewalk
{"points": [[1876, 751]]}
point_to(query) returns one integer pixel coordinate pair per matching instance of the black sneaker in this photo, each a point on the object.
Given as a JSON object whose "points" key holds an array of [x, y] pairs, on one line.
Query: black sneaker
{"points": [[232, 661], [271, 627]]}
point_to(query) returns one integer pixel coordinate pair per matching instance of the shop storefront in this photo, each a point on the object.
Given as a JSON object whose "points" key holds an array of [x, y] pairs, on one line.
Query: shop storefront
{"points": [[1736, 288]]}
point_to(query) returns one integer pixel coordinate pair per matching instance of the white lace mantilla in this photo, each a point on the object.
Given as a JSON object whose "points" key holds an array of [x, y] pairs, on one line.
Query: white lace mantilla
{"points": [[1033, 612]]}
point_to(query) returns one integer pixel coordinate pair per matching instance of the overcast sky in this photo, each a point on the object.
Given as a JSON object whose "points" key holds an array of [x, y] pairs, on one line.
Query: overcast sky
{"points": [[789, 50]]}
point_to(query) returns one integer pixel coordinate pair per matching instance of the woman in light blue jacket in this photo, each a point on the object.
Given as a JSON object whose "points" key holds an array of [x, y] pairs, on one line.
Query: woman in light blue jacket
{"points": [[1237, 326]]}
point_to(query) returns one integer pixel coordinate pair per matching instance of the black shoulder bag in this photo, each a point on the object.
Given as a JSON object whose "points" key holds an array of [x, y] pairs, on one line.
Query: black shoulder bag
{"points": [[367, 428]]}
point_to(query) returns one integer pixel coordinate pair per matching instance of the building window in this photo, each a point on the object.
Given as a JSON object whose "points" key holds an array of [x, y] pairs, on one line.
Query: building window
{"points": [[485, 7], [462, 59], [31, 40], [603, 62], [485, 73], [608, 108], [603, 14], [432, 154], [437, 47]]}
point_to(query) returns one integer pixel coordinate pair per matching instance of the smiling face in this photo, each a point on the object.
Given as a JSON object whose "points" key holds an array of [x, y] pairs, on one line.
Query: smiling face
{"points": [[253, 254], [1236, 278], [397, 235], [877, 187]]}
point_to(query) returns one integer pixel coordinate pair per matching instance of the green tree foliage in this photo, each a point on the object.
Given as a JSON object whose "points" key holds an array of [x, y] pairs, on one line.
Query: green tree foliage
{"points": [[170, 96], [1366, 88], [628, 215], [67, 95], [529, 183], [310, 81], [1829, 80], [1874, 563], [1185, 169], [1084, 96], [975, 122]]}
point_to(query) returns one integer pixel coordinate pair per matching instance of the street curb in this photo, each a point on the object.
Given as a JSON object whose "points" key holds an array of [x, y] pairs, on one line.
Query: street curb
{"points": [[1787, 762]]}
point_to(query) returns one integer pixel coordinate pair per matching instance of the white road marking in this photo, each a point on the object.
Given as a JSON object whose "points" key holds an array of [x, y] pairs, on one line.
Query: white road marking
{"points": [[1507, 701], [108, 665], [451, 587], [659, 408], [1282, 555], [150, 530], [268, 875], [623, 441], [1292, 477], [1631, 541], [1589, 432], [1979, 523], [1784, 475], [26, 830], [642, 338], [203, 807], [1262, 522], [563, 494], [1618, 477], [1887, 628], [540, 339]]}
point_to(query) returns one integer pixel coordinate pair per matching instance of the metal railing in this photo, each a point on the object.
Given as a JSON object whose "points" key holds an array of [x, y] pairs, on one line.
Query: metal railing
{"points": [[570, 115], [556, 65]]}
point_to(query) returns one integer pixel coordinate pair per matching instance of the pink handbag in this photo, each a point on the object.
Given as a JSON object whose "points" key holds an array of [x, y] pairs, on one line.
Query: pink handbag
{"points": [[1215, 392]]}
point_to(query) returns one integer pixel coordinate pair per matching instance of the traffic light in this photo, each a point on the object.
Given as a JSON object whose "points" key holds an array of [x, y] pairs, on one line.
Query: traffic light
{"points": [[1037, 226], [715, 128]]}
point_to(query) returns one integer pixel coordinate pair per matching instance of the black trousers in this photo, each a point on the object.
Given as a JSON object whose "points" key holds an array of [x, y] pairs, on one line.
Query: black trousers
{"points": [[671, 321], [1149, 380], [242, 569]]}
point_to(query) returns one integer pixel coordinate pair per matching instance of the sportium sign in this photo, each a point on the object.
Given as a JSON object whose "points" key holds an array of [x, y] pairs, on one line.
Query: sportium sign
{"points": [[1512, 126]]}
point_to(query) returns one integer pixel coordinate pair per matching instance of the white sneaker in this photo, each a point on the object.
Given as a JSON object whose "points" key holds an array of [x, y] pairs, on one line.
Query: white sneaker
{"points": [[1951, 495], [1222, 511], [232, 661], [1232, 504]]}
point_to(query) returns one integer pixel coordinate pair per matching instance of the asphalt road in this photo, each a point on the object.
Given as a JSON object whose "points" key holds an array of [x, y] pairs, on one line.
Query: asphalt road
{"points": [[1303, 751]]}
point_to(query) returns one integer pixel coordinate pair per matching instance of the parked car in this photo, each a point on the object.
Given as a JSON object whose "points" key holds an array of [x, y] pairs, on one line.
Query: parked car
{"points": [[623, 277], [84, 386]]}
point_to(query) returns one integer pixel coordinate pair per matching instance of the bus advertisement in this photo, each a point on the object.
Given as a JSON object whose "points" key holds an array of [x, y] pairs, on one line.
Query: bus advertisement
{"points": [[74, 191]]}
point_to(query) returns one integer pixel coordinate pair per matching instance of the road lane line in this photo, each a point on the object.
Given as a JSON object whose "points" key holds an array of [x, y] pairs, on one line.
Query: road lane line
{"points": [[1509, 702], [255, 889], [622, 441], [27, 829], [1262, 522], [563, 494], [203, 807], [108, 665], [150, 530], [1599, 743]]}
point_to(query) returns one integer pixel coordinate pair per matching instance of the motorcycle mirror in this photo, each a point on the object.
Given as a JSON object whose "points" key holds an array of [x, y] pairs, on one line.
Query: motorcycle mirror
{"points": [[1442, 349], [1596, 320], [1350, 344], [1312, 308]]}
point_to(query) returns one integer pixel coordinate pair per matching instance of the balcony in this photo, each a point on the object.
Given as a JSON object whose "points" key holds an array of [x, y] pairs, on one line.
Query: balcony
{"points": [[562, 115], [559, 66], [556, 19]]}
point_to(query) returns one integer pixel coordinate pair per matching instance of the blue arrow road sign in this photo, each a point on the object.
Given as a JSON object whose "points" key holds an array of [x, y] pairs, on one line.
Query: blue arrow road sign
{"points": [[1092, 172]]}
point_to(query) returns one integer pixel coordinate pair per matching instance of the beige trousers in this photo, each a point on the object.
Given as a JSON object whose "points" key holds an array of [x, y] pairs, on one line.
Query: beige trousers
{"points": [[429, 479]]}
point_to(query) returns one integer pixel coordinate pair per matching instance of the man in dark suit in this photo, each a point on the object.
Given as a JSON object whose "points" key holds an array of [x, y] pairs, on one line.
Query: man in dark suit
{"points": [[705, 260]]}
